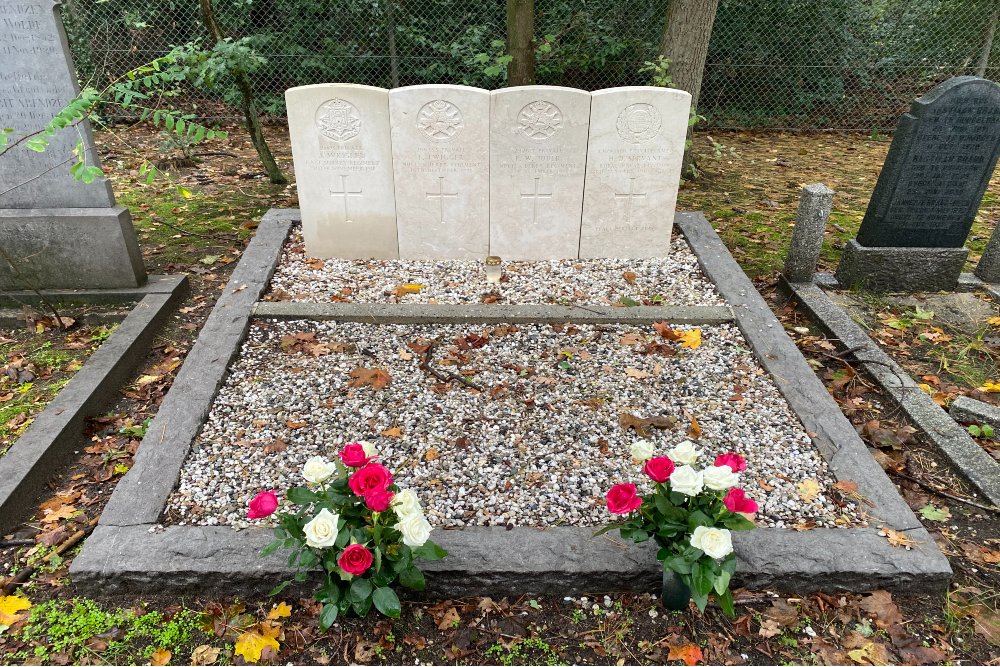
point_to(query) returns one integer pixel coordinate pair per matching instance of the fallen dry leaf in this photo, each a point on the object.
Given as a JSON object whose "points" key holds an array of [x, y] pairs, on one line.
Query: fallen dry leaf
{"points": [[808, 489], [204, 655], [880, 605], [376, 378], [431, 455], [160, 657], [393, 432], [690, 653], [636, 373]]}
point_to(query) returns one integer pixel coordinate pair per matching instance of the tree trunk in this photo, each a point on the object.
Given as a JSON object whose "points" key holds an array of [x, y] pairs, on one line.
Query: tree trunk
{"points": [[520, 35], [687, 29], [390, 28], [247, 104], [991, 31]]}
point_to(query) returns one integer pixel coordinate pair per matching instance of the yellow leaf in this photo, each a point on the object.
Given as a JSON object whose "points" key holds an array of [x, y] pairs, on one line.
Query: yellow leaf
{"points": [[898, 539], [995, 321], [870, 654], [926, 388], [160, 657], [991, 387], [409, 288], [251, 643], [10, 605], [432, 454], [281, 610], [691, 339], [146, 379], [808, 489]]}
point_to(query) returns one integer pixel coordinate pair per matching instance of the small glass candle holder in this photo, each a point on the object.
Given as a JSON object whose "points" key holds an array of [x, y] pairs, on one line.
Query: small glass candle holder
{"points": [[493, 269]]}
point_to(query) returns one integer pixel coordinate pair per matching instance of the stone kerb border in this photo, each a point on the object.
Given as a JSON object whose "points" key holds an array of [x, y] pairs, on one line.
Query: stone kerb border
{"points": [[951, 439], [36, 455], [129, 551]]}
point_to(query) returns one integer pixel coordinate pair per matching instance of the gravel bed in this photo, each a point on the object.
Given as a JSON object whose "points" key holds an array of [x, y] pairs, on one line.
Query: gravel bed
{"points": [[675, 280], [539, 445]]}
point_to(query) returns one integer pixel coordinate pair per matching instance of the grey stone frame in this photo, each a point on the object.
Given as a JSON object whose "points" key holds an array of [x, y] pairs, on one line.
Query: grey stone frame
{"points": [[129, 551], [38, 452]]}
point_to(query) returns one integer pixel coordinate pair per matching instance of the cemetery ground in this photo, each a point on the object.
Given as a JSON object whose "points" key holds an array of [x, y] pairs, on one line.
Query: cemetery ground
{"points": [[749, 191]]}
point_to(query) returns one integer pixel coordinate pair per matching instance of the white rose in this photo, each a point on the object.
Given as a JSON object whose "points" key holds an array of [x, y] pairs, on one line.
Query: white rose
{"points": [[715, 542], [687, 480], [684, 453], [317, 470], [720, 478], [642, 450], [415, 529], [369, 448], [321, 531], [406, 503]]}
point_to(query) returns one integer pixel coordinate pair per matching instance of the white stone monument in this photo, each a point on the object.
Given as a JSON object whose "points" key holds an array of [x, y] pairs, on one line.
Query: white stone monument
{"points": [[343, 169], [538, 157], [634, 157], [441, 152]]}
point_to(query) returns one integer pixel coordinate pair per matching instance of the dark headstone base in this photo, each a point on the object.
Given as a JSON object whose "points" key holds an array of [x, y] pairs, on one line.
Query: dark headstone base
{"points": [[69, 248], [891, 269]]}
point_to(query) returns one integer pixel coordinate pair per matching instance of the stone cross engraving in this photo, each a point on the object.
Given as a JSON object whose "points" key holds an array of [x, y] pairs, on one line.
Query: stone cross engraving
{"points": [[441, 151], [538, 151], [628, 197], [340, 139], [61, 232], [534, 196], [441, 195], [633, 171], [345, 193]]}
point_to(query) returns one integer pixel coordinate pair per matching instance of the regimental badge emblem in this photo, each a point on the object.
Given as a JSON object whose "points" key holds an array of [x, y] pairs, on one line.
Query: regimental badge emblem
{"points": [[338, 120], [539, 120], [440, 120], [638, 123]]}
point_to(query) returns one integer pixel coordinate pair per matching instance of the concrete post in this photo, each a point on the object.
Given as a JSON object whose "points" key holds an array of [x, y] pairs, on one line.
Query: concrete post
{"points": [[815, 204]]}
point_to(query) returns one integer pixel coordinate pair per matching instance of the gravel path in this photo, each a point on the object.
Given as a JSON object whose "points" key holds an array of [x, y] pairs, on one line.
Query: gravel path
{"points": [[541, 442], [675, 279]]}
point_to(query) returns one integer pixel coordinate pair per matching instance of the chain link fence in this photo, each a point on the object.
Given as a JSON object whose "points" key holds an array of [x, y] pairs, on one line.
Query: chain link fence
{"points": [[789, 64]]}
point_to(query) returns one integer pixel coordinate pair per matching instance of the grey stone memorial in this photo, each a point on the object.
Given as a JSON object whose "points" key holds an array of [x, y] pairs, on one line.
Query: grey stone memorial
{"points": [[55, 232], [939, 165], [815, 204], [988, 268]]}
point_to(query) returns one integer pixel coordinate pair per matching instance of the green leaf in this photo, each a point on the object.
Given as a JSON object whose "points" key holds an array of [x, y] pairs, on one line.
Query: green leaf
{"points": [[280, 587], [270, 549], [386, 602], [630, 303], [722, 582], [361, 589], [328, 616], [738, 522], [362, 608], [726, 602], [412, 578], [301, 495], [430, 551], [932, 513]]}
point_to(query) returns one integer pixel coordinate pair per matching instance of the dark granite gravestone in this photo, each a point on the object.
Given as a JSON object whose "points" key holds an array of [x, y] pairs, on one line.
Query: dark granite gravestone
{"points": [[940, 162], [55, 232]]}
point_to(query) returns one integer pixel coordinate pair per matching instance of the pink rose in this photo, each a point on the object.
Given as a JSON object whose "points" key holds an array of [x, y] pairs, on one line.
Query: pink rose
{"points": [[262, 505], [353, 455], [378, 499], [622, 499], [736, 501], [355, 560], [735, 462], [371, 476], [659, 468]]}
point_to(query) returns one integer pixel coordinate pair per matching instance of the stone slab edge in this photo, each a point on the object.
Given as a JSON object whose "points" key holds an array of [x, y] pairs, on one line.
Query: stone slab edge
{"points": [[834, 436], [156, 284], [970, 411], [140, 496], [38, 453], [129, 552], [980, 469], [416, 313]]}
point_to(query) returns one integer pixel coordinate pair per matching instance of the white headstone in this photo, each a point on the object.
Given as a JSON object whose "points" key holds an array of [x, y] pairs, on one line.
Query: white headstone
{"points": [[538, 156], [637, 139], [441, 162], [343, 170]]}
